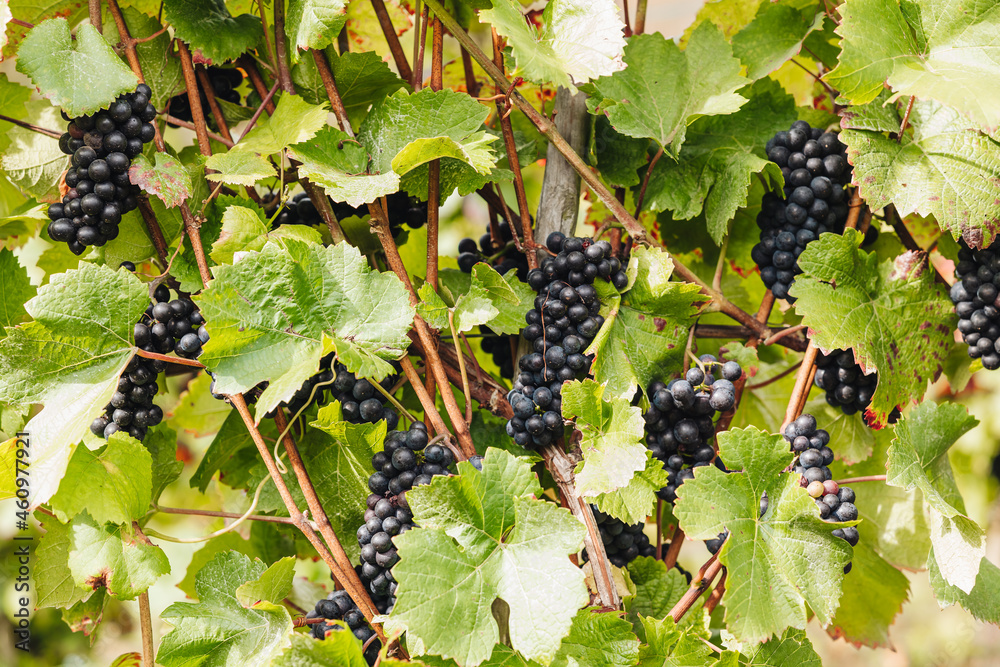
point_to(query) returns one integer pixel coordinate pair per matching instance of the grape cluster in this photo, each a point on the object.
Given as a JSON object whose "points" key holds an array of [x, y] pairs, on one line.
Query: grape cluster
{"points": [[338, 606], [171, 326], [499, 347], [680, 421], [564, 320], [814, 164], [131, 409], [471, 253], [835, 503], [224, 83], [846, 385], [299, 211], [401, 210], [976, 295], [101, 147], [384, 519], [622, 543], [407, 461]]}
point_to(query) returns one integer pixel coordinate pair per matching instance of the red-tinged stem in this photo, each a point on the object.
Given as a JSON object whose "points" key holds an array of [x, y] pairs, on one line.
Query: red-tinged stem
{"points": [[561, 467], [34, 128], [173, 120], [153, 227], [906, 119], [640, 18], [225, 515], [250, 67], [23, 24], [713, 600], [173, 360], [785, 373], [330, 84], [512, 161], [784, 332], [628, 26], [659, 529], [146, 626], [674, 549], [360, 597], [698, 587], [858, 480], [437, 422], [645, 181], [263, 107], [213, 104], [796, 343], [392, 40]]}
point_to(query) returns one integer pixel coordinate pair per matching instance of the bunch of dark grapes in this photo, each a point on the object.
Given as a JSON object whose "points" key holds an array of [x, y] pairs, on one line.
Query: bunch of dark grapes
{"points": [[471, 253], [401, 209], [224, 83], [975, 295], [836, 503], [814, 164], [171, 326], [384, 519], [338, 606], [500, 348], [407, 461], [102, 147], [299, 211], [564, 320], [622, 543], [680, 421], [131, 409], [846, 385]]}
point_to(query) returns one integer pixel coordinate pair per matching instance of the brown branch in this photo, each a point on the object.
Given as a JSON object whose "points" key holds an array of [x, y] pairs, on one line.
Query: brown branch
{"points": [[485, 390], [787, 331], [267, 42], [628, 27], [194, 98], [34, 128], [360, 597], [515, 165], [430, 409], [797, 343], [153, 227], [150, 38], [392, 40], [146, 624], [674, 550], [281, 46], [433, 359], [640, 18], [434, 168], [330, 84], [95, 14], [250, 67], [23, 24], [352, 582], [561, 467], [906, 119], [213, 105], [224, 515], [260, 110], [785, 373], [698, 586], [713, 600]]}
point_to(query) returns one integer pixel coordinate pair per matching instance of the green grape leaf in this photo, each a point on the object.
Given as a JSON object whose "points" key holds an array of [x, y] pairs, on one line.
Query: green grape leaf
{"points": [[32, 161], [787, 557], [774, 37], [488, 298], [15, 290], [854, 439], [657, 589], [272, 586], [633, 502], [339, 165], [918, 458], [246, 229], [400, 119], [581, 40], [69, 358], [483, 536], [276, 312], [646, 327], [53, 580], [161, 441], [618, 157], [895, 318], [232, 453], [86, 616], [720, 158], [879, 115], [196, 411], [873, 595], [214, 34], [598, 639], [946, 169], [239, 167], [664, 89], [362, 78], [113, 484], [313, 24], [791, 648], [941, 50], [667, 645], [113, 557], [80, 75], [167, 179], [160, 67], [613, 437], [339, 649], [981, 601], [219, 630]]}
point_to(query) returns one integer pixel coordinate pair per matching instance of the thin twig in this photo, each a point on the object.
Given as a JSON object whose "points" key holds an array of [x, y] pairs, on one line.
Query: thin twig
{"points": [[461, 368], [194, 98], [150, 38], [434, 167], [267, 42], [392, 40], [645, 181], [785, 373], [720, 266], [173, 360], [628, 27], [698, 586], [250, 67], [906, 119], [173, 120], [640, 18], [23, 24], [153, 227], [674, 550], [713, 600], [437, 422], [784, 332], [146, 625], [256, 114], [223, 515], [330, 84], [284, 73], [34, 128], [858, 480]]}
